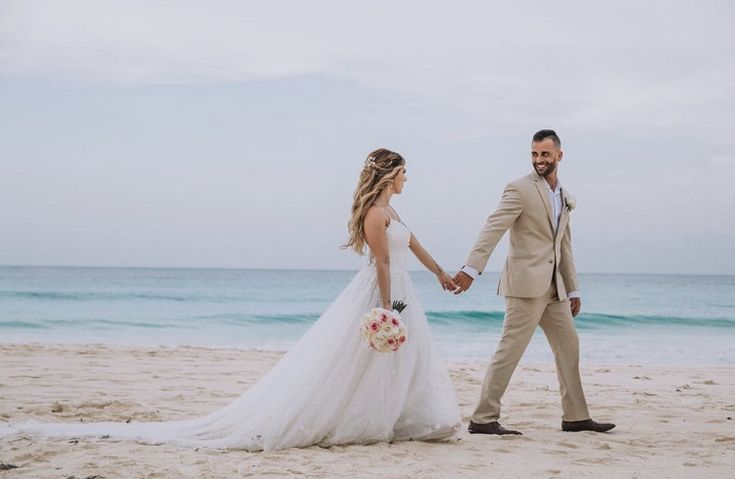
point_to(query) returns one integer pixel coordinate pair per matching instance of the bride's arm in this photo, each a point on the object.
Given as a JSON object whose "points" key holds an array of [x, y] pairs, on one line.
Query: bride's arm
{"points": [[420, 252], [377, 240]]}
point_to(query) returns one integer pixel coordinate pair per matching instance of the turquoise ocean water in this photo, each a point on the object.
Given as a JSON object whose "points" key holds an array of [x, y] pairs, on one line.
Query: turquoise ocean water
{"points": [[632, 319]]}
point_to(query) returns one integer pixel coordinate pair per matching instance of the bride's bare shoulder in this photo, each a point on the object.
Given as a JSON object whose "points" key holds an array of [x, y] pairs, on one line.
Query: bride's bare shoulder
{"points": [[376, 215]]}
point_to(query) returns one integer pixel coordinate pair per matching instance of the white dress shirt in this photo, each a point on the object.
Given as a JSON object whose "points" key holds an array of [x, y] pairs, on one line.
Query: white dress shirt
{"points": [[556, 202], [557, 205]]}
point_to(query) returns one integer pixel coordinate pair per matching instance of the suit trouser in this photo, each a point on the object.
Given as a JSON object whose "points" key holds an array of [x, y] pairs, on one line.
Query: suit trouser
{"points": [[522, 315]]}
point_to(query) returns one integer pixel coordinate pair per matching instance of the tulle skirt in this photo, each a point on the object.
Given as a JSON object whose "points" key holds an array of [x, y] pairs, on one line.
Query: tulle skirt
{"points": [[328, 389]]}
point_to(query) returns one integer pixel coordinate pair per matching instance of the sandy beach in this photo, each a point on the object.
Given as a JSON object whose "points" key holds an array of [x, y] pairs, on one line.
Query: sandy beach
{"points": [[672, 421]]}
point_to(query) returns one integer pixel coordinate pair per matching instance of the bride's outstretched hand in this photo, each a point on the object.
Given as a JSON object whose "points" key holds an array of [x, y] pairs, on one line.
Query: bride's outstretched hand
{"points": [[446, 281]]}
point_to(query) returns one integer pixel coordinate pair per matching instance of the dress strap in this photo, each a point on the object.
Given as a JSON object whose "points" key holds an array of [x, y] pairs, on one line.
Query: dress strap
{"points": [[392, 212]]}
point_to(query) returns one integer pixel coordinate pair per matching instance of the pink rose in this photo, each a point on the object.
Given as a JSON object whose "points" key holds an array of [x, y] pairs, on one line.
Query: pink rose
{"points": [[395, 322], [402, 339], [383, 318], [374, 325]]}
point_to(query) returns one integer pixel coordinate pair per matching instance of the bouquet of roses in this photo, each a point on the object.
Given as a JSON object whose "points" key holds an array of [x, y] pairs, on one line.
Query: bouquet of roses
{"points": [[382, 329]]}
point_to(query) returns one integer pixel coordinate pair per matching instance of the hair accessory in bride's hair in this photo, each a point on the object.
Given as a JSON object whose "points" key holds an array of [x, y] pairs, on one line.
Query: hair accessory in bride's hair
{"points": [[370, 162]]}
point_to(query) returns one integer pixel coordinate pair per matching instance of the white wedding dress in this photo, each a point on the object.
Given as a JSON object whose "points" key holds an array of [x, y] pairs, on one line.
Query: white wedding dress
{"points": [[328, 389]]}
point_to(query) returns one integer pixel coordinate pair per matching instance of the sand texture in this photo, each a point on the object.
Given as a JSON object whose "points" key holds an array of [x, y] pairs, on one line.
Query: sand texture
{"points": [[672, 421]]}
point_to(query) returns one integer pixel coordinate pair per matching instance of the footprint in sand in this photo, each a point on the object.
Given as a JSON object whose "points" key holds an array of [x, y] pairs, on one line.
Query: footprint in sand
{"points": [[524, 424], [568, 444], [586, 462]]}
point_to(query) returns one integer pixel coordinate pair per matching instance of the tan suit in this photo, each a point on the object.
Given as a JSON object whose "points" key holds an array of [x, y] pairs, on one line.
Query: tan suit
{"points": [[538, 274]]}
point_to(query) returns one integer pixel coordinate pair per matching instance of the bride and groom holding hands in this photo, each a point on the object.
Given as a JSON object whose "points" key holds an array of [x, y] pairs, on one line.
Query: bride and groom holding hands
{"points": [[539, 282], [331, 389]]}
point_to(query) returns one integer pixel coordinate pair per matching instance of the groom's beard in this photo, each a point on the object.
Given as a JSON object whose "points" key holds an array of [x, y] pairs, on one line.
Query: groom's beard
{"points": [[549, 168]]}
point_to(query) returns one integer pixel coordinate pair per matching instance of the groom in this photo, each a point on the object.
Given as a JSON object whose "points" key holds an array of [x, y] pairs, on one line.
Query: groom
{"points": [[539, 283]]}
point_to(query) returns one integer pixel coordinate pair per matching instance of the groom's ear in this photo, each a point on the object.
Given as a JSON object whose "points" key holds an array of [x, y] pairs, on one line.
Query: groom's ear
{"points": [[561, 154]]}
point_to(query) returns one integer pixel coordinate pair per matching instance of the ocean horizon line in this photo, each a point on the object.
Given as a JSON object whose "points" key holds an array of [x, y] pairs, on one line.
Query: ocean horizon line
{"points": [[326, 270]]}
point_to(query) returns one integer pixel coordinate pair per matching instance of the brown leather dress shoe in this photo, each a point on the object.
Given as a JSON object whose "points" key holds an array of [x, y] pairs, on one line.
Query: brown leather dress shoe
{"points": [[586, 425], [491, 428]]}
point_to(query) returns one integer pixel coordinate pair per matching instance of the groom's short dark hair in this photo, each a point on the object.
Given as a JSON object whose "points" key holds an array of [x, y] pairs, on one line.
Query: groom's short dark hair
{"points": [[541, 135]]}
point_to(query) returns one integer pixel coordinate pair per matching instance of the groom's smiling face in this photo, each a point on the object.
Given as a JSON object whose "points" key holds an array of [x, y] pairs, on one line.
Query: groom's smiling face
{"points": [[545, 156]]}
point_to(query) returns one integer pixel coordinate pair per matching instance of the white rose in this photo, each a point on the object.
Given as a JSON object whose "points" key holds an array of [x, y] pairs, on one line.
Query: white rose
{"points": [[379, 339]]}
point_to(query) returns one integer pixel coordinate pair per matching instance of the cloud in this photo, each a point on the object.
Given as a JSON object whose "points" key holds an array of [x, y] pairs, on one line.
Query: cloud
{"points": [[640, 91], [722, 160], [658, 65], [153, 42], [189, 41]]}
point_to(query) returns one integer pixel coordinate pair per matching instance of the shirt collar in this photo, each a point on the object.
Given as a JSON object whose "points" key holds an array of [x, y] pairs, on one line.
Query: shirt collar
{"points": [[558, 187]]}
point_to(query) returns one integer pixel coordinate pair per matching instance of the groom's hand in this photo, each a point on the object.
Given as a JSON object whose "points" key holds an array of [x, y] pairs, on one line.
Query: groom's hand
{"points": [[463, 282], [575, 304]]}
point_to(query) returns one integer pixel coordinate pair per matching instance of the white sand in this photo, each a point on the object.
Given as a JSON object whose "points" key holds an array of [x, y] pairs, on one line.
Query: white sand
{"points": [[672, 421]]}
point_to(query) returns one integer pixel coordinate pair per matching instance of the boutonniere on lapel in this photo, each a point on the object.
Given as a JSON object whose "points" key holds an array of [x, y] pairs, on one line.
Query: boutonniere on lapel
{"points": [[570, 202]]}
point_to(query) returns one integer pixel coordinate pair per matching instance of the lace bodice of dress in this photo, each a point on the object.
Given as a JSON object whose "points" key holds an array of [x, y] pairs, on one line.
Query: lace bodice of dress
{"points": [[399, 238]]}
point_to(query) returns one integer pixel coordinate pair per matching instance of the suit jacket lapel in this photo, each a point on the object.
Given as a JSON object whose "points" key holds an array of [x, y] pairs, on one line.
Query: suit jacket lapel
{"points": [[541, 187]]}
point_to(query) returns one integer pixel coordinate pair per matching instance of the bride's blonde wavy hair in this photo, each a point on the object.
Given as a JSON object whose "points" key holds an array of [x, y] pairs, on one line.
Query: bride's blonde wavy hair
{"points": [[380, 169]]}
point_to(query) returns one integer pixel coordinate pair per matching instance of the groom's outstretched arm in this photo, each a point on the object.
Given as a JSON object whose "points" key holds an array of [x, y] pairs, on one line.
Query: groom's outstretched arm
{"points": [[510, 207]]}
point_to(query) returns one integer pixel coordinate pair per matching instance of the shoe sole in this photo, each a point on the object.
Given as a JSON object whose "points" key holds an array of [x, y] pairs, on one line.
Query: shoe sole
{"points": [[496, 433], [590, 430]]}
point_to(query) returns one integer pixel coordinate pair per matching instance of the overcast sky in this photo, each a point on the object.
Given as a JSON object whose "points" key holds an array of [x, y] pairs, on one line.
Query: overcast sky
{"points": [[231, 134]]}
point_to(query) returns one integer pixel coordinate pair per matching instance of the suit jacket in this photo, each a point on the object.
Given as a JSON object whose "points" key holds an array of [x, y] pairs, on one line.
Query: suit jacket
{"points": [[537, 255]]}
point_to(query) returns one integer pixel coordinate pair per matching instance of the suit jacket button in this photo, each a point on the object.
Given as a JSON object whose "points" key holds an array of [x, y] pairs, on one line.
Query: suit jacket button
{"points": [[551, 261]]}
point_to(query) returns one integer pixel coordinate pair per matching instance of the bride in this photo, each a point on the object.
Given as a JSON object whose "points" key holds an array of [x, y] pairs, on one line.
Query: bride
{"points": [[330, 388]]}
